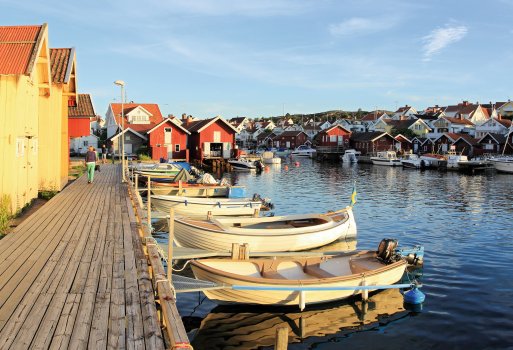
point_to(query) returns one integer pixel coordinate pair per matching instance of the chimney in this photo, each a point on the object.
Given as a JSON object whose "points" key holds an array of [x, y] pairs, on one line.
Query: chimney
{"points": [[465, 103]]}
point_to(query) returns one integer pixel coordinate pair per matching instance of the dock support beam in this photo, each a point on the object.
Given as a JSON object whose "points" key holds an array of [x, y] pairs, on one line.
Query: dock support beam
{"points": [[282, 338], [365, 292], [148, 203], [170, 244]]}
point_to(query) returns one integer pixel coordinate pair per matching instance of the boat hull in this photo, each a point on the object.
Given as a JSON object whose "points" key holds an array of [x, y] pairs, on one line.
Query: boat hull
{"points": [[200, 207], [201, 235], [386, 162], [385, 275], [503, 166]]}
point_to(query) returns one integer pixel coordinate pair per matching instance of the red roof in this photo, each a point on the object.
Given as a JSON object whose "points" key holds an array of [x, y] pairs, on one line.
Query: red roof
{"points": [[60, 61], [153, 108], [458, 121], [83, 109], [17, 48]]}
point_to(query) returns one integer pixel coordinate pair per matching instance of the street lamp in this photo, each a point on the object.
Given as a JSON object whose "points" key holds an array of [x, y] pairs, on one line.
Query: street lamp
{"points": [[122, 84]]}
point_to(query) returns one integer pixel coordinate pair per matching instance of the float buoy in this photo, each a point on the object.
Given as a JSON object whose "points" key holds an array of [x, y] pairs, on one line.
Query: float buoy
{"points": [[297, 164], [286, 167], [414, 296]]}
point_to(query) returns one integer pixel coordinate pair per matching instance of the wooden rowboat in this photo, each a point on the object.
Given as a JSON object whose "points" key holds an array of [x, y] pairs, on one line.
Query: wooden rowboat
{"points": [[266, 234], [294, 281], [200, 207], [191, 190]]}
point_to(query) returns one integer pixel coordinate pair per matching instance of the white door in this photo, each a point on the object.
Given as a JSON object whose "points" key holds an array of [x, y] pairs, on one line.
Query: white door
{"points": [[340, 141], [444, 147], [217, 136], [169, 151], [128, 148], [287, 144], [167, 136]]}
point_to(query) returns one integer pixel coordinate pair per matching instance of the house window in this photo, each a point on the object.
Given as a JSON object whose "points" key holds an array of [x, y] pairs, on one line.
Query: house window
{"points": [[177, 148], [86, 143], [217, 136], [127, 137], [333, 138]]}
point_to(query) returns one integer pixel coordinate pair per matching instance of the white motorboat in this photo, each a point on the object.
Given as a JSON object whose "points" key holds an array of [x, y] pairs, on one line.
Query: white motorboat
{"points": [[388, 158], [266, 234], [503, 164], [350, 156], [454, 159], [412, 161], [270, 158], [303, 151], [200, 207], [432, 160], [243, 164], [284, 281], [194, 190]]}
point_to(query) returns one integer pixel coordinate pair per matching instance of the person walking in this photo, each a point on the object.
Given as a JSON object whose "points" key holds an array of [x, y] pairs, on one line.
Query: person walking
{"points": [[90, 161], [111, 152], [104, 154]]}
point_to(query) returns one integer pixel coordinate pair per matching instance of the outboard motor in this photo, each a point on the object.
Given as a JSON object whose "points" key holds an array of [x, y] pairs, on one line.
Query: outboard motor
{"points": [[386, 250], [259, 165]]}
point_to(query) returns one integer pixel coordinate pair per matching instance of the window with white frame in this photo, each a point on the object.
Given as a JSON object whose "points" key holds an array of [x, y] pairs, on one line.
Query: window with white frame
{"points": [[177, 148], [217, 136], [333, 138]]}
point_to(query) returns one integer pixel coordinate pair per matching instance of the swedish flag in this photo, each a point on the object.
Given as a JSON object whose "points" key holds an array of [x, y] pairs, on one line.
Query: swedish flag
{"points": [[353, 196]]}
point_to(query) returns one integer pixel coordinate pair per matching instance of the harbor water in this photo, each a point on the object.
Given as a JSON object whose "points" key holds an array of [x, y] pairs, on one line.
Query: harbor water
{"points": [[464, 223]]}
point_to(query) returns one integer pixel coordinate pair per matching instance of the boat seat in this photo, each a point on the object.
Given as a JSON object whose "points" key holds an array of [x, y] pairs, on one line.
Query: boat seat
{"points": [[362, 265], [269, 270], [317, 271]]}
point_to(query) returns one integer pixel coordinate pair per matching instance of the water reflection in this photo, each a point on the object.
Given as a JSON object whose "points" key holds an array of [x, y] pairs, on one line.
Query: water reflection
{"points": [[251, 328]]}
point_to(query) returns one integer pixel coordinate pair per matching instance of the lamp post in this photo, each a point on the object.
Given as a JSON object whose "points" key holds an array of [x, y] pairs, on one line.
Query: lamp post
{"points": [[122, 84]]}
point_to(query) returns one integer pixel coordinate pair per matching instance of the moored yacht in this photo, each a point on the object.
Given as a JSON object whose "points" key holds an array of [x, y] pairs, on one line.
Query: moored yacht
{"points": [[388, 158]]}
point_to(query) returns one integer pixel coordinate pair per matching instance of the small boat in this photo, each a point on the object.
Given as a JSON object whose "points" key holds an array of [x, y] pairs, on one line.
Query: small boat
{"points": [[269, 158], [266, 234], [388, 158], [243, 164], [194, 190], [200, 207], [350, 156], [297, 281], [503, 164], [158, 169], [303, 151], [412, 161], [432, 160]]}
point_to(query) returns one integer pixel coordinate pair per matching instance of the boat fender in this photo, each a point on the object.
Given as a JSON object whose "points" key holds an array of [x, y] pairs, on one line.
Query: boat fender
{"points": [[414, 296], [297, 164], [185, 202], [219, 204], [386, 250]]}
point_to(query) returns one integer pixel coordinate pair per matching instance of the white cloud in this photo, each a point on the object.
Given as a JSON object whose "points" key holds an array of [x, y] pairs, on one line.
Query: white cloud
{"points": [[440, 38], [359, 25]]}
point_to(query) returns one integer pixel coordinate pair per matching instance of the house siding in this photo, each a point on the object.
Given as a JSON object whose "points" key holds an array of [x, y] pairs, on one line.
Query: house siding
{"points": [[159, 149], [197, 140], [325, 137]]}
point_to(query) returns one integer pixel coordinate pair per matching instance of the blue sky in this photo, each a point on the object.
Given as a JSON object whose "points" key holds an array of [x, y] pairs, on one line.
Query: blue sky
{"points": [[260, 58]]}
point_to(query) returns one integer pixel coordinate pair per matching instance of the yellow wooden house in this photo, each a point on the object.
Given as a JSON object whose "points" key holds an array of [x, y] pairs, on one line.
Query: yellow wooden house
{"points": [[32, 116]]}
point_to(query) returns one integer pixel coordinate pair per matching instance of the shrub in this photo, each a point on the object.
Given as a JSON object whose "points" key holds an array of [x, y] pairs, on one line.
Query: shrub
{"points": [[5, 213], [144, 157]]}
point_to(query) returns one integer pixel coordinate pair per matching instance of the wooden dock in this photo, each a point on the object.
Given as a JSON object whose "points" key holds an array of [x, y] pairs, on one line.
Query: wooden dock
{"points": [[75, 275]]}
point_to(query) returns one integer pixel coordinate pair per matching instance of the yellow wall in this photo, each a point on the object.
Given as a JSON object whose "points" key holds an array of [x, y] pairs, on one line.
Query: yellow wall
{"points": [[19, 97]]}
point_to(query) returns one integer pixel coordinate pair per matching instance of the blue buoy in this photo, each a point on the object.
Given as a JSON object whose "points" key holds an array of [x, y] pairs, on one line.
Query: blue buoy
{"points": [[414, 296]]}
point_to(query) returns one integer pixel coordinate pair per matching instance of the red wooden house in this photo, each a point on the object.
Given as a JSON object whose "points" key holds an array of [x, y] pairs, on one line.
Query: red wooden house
{"points": [[403, 144], [290, 139], [79, 116], [372, 142], [212, 138], [168, 140], [333, 136]]}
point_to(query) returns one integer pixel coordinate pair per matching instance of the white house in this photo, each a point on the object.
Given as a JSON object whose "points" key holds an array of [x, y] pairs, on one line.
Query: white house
{"points": [[404, 113], [476, 113], [79, 145], [452, 125], [493, 126]]}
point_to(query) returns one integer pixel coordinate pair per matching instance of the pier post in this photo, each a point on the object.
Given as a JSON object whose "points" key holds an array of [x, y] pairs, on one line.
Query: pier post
{"points": [[365, 292], [170, 243], [282, 338], [148, 203], [136, 183], [256, 213], [179, 187], [235, 251]]}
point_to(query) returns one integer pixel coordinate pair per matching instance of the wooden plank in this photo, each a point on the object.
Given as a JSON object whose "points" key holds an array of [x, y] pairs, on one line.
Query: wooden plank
{"points": [[152, 332], [62, 335], [44, 285]]}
